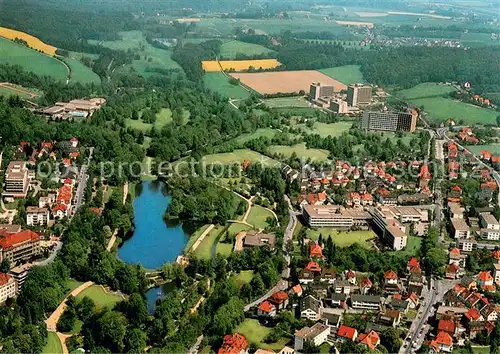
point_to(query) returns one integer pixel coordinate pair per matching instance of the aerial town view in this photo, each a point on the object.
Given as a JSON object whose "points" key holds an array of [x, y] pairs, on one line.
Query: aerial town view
{"points": [[240, 177]]}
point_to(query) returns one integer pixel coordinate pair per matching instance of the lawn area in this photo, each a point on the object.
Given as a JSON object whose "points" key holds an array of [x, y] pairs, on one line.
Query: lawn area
{"points": [[347, 74], [100, 297], [194, 236], [493, 148], [204, 250], [11, 91], [326, 129], [343, 238], [287, 102], [255, 333], [72, 284], [413, 245], [81, 73], [427, 89], [258, 216], [261, 132], [238, 156], [163, 118], [218, 82], [301, 151], [243, 277], [234, 228], [30, 60], [53, 345], [440, 108], [230, 49]]}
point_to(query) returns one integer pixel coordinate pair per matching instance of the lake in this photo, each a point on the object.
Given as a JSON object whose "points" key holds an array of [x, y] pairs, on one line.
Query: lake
{"points": [[154, 242]]}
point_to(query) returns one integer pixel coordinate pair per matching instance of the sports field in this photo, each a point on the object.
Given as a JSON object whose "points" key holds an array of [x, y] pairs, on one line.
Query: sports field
{"points": [[326, 129], [286, 81], [7, 89], [239, 65], [427, 89], [343, 238], [53, 345], [32, 41], [81, 73], [100, 297], [30, 60], [218, 82], [229, 50], [348, 74], [440, 108], [261, 132], [239, 156], [301, 151], [258, 216], [286, 102]]}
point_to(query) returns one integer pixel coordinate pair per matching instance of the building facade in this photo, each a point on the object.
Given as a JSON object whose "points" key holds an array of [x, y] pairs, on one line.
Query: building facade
{"points": [[16, 180], [8, 287], [334, 216], [37, 216], [358, 94], [318, 90], [389, 121], [19, 246]]}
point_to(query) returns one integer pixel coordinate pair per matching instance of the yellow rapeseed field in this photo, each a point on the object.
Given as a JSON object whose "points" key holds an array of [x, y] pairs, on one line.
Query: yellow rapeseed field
{"points": [[239, 65], [32, 41]]}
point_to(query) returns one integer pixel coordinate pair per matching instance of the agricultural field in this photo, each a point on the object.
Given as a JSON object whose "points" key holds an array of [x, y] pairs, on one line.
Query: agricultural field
{"points": [[327, 129], [218, 82], [81, 73], [348, 74], [239, 156], [229, 50], [33, 42], [343, 238], [151, 57], [261, 132], [239, 65], [301, 151], [440, 108], [286, 102], [258, 216], [53, 344], [493, 148], [286, 81], [100, 297], [428, 89], [7, 89], [30, 60], [255, 333]]}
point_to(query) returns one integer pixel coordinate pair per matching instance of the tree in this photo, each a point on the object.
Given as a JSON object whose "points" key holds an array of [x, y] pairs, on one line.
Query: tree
{"points": [[5, 266], [135, 340], [391, 339], [495, 339], [498, 120]]}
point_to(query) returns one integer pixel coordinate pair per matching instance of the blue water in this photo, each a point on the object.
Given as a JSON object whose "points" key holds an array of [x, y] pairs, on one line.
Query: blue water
{"points": [[153, 242]]}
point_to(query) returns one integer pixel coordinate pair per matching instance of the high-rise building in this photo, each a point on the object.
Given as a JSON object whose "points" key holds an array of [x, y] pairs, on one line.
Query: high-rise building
{"points": [[318, 90], [358, 94], [339, 106], [389, 121], [16, 180]]}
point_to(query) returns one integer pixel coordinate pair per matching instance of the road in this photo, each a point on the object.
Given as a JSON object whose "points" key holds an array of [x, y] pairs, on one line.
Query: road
{"points": [[281, 285], [82, 182], [52, 256]]}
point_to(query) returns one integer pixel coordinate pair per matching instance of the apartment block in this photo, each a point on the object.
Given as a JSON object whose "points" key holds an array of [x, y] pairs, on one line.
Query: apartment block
{"points": [[389, 121], [358, 94], [392, 229], [318, 90], [317, 335], [19, 246], [366, 302], [334, 216], [37, 216], [16, 180], [490, 234], [459, 228], [8, 287], [488, 221], [339, 106]]}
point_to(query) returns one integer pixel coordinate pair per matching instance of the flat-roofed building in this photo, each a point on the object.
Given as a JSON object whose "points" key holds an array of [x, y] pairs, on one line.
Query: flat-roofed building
{"points": [[334, 216], [358, 94], [490, 234], [16, 180], [317, 335], [339, 106], [20, 273], [393, 231], [318, 90], [456, 210], [257, 239], [366, 302], [8, 287], [389, 121], [488, 221], [460, 228], [19, 246], [37, 216]]}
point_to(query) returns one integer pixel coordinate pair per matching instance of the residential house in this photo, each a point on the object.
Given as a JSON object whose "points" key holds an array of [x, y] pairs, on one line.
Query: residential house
{"points": [[400, 305], [266, 309], [371, 339], [447, 326], [390, 317], [391, 282], [234, 344], [413, 301], [310, 308], [486, 281], [258, 239], [37, 216], [315, 251], [337, 300], [347, 333], [442, 343], [297, 290], [328, 276], [366, 302], [365, 285], [279, 299], [316, 335]]}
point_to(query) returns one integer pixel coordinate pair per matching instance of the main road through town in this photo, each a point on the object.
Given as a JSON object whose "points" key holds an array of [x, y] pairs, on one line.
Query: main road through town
{"points": [[82, 182]]}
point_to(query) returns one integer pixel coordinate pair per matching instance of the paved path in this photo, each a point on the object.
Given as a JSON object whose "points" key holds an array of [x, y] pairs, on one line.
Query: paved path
{"points": [[201, 238], [281, 285], [62, 338], [82, 181], [112, 240]]}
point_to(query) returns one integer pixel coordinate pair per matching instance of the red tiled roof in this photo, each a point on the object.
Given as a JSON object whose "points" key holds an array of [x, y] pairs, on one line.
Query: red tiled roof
{"points": [[366, 282], [372, 339], [297, 289], [278, 297], [267, 307], [473, 314], [456, 189], [447, 326], [413, 297], [346, 332], [313, 266], [452, 268], [233, 344], [315, 250], [444, 339], [4, 278], [8, 240], [390, 274], [351, 274], [485, 276], [58, 207], [413, 262], [455, 251], [397, 297], [496, 254]]}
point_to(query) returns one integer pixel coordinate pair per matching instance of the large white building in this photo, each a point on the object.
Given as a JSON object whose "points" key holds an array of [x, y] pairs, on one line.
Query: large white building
{"points": [[317, 335], [37, 216], [8, 287], [392, 229], [334, 216], [488, 221]]}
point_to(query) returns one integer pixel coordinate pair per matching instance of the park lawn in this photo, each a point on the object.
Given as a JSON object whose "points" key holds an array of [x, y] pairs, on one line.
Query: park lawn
{"points": [[279, 102], [218, 82], [255, 333], [30, 60], [138, 125], [81, 73], [237, 227], [258, 216], [243, 277], [194, 236], [493, 148], [204, 250], [347, 74], [440, 108], [261, 132], [230, 49], [53, 345], [427, 89], [7, 92], [301, 151], [343, 238], [100, 297], [72, 284], [225, 249], [326, 129], [239, 156]]}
